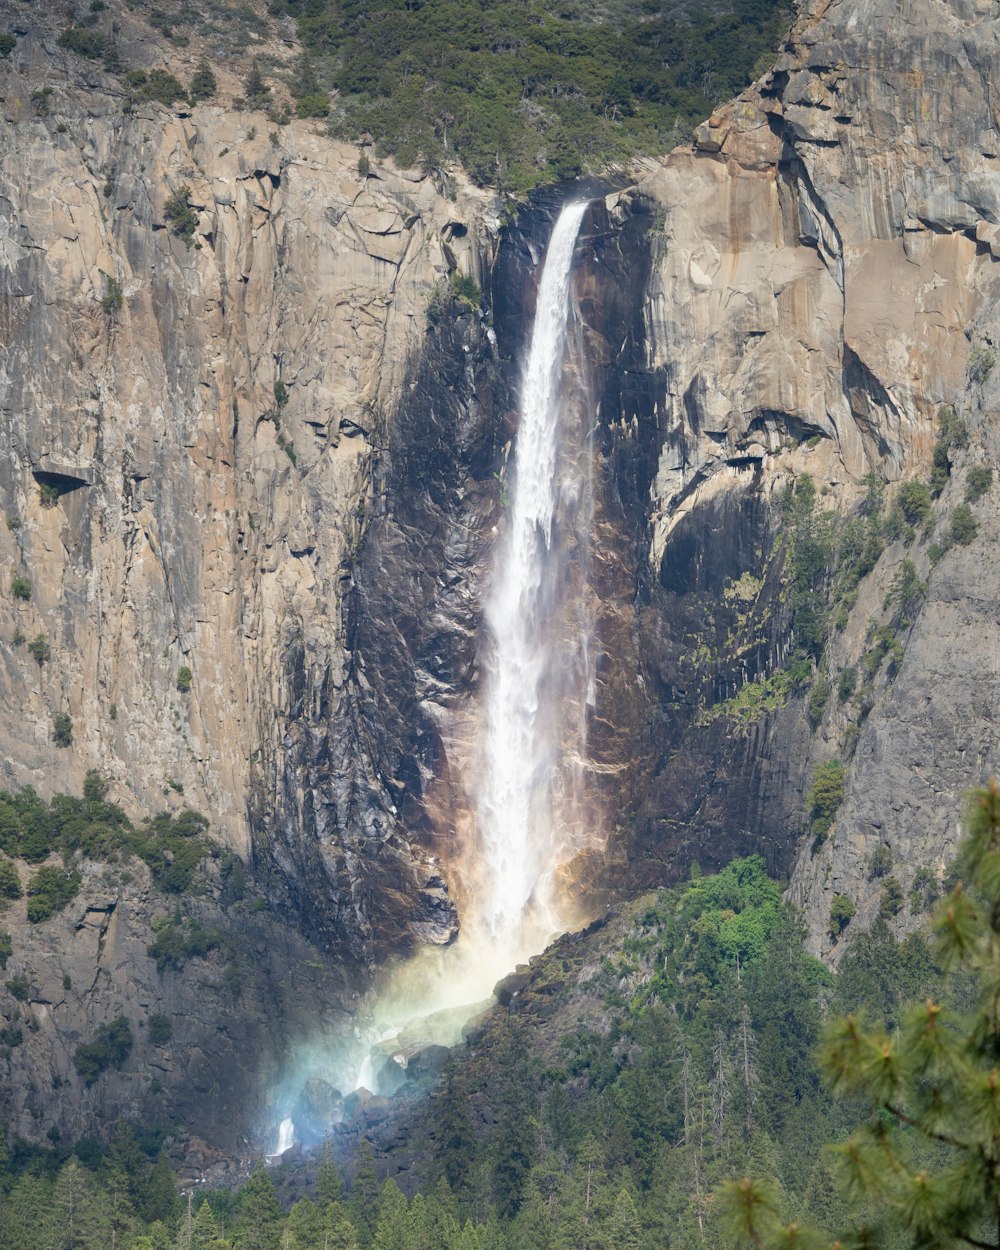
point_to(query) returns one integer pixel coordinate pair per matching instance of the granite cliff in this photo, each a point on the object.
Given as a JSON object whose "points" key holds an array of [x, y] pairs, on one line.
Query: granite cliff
{"points": [[235, 446]]}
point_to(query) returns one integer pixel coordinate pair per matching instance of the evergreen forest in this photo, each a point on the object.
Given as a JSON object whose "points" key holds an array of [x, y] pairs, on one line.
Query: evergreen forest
{"points": [[526, 93], [646, 1062]]}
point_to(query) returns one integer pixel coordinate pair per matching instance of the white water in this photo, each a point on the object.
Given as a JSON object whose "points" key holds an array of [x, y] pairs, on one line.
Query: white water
{"points": [[286, 1136], [521, 836]]}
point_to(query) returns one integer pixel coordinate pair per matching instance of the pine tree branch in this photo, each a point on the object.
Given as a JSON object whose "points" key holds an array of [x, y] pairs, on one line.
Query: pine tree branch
{"points": [[981, 1245], [943, 1138]]}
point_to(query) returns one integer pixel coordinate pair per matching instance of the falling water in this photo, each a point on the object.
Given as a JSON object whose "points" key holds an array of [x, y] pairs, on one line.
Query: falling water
{"points": [[522, 834]]}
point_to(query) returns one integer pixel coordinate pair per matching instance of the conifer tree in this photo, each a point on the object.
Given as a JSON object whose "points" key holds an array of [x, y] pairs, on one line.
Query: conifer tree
{"points": [[927, 1161], [363, 1206], [260, 1212], [393, 1218], [203, 84], [329, 1182]]}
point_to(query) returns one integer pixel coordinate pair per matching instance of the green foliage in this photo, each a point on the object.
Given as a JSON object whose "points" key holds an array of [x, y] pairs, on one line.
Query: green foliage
{"points": [[825, 796], [181, 216], [178, 940], [915, 502], [952, 435], [880, 862], [847, 683], [184, 677], [48, 494], [110, 1048], [884, 643], [10, 881], [51, 889], [8, 43], [463, 287], [364, 165], [171, 845], [159, 1029], [258, 93], [315, 104], [111, 301], [159, 84], [18, 988], [6, 947], [819, 696], [978, 481], [810, 549], [524, 94], [84, 41], [62, 729], [963, 527], [981, 362], [841, 914], [20, 588], [40, 649], [756, 699], [906, 590], [203, 84], [891, 899]]}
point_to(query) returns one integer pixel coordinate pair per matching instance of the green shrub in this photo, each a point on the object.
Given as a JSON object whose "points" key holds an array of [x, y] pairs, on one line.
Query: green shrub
{"points": [[891, 901], [109, 1049], [178, 940], [182, 217], [936, 552], [203, 84], [977, 482], [163, 87], [184, 678], [111, 301], [952, 433], [62, 730], [6, 947], [7, 44], [40, 649], [258, 93], [18, 988], [846, 684], [880, 862], [159, 1029], [84, 41], [819, 696], [906, 588], [10, 881], [364, 165], [826, 796], [963, 526], [48, 494], [315, 104], [914, 500], [464, 288], [11, 1035], [280, 394], [841, 914], [981, 362], [50, 890], [20, 588]]}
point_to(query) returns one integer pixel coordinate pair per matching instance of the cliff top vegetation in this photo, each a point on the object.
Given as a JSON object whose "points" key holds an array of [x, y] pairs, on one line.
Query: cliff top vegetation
{"points": [[527, 93]]}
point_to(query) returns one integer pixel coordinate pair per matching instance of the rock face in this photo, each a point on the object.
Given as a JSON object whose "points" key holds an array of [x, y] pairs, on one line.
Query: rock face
{"points": [[825, 281], [234, 447]]}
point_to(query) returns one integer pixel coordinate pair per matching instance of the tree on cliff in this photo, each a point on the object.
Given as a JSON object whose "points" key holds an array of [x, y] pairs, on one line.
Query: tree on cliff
{"points": [[927, 1160]]}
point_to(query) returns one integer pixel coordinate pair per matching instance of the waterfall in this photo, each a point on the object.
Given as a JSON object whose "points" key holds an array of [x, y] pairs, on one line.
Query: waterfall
{"points": [[525, 784], [523, 831]]}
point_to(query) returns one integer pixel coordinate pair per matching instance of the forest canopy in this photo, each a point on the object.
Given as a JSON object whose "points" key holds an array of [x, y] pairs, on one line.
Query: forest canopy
{"points": [[525, 93]]}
